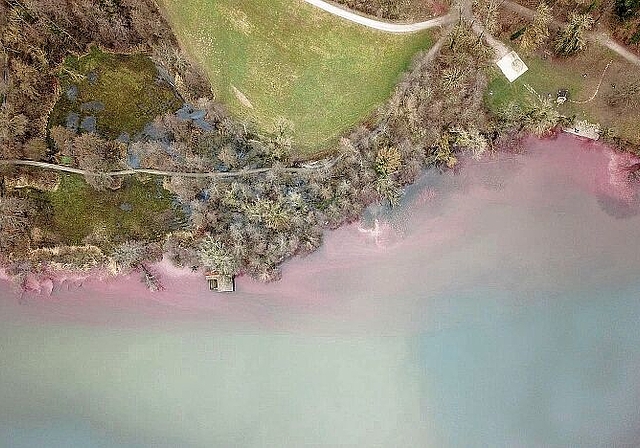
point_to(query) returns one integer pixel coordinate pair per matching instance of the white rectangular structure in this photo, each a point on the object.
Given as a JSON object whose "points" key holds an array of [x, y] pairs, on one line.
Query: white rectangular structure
{"points": [[512, 66], [584, 129]]}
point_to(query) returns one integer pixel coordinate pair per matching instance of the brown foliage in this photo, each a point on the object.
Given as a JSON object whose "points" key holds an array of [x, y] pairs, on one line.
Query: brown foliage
{"points": [[23, 177], [398, 9], [15, 214], [74, 258], [40, 33]]}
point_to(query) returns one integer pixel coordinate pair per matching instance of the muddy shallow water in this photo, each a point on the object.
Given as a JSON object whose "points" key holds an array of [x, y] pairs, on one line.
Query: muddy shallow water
{"points": [[497, 307]]}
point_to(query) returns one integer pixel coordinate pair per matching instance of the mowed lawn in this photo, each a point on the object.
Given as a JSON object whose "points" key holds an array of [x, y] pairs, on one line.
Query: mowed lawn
{"points": [[580, 75], [272, 59]]}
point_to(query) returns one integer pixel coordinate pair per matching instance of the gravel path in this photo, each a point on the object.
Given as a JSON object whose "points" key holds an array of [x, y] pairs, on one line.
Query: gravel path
{"points": [[215, 174], [398, 28]]}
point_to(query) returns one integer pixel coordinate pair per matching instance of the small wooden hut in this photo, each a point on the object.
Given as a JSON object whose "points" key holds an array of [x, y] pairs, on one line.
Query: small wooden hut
{"points": [[220, 282]]}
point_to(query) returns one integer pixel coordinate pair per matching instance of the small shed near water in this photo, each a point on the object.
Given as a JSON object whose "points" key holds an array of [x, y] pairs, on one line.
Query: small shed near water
{"points": [[220, 282]]}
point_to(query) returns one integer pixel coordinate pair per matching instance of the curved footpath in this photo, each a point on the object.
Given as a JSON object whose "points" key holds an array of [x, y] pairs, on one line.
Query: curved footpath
{"points": [[403, 28], [398, 28], [448, 19]]}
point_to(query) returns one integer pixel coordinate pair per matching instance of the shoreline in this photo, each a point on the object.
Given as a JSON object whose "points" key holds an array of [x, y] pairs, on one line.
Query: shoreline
{"points": [[248, 226], [613, 180], [514, 267]]}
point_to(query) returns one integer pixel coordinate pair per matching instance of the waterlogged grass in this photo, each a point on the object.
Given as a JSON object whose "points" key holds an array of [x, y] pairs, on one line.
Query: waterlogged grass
{"points": [[268, 59], [138, 210], [126, 86]]}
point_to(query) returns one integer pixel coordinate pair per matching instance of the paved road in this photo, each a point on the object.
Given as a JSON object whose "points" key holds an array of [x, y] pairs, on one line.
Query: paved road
{"points": [[399, 28], [447, 19]]}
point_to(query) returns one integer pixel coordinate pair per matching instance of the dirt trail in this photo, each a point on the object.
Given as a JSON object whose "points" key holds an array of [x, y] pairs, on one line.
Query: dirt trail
{"points": [[606, 41], [214, 174], [499, 48]]}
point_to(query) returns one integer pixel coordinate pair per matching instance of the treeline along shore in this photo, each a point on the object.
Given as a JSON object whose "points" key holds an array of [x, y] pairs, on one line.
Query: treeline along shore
{"points": [[266, 205]]}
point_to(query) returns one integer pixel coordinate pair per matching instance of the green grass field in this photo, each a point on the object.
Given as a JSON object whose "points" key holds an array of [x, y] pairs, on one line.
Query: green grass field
{"points": [[543, 76], [272, 59]]}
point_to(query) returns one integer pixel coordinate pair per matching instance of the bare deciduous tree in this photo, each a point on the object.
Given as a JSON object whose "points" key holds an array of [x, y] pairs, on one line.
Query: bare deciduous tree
{"points": [[388, 160], [538, 31], [572, 37], [126, 256], [215, 255]]}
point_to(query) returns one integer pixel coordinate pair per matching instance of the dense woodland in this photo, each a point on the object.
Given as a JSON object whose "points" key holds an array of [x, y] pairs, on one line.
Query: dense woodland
{"points": [[247, 224]]}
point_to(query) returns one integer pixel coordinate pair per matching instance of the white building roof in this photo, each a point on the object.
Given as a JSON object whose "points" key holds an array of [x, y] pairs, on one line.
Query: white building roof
{"points": [[512, 66], [584, 129]]}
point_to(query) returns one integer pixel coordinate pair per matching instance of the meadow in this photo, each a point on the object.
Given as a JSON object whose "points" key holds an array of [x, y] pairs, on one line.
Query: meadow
{"points": [[581, 76], [75, 213], [284, 59]]}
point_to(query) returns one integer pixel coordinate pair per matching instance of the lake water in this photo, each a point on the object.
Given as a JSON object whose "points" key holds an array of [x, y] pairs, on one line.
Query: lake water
{"points": [[498, 307]]}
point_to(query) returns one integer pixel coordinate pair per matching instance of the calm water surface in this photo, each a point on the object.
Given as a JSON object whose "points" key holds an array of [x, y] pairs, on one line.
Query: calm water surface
{"points": [[497, 307]]}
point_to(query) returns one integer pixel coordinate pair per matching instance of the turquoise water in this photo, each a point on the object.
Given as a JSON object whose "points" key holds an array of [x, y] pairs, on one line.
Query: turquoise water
{"points": [[557, 374], [498, 307]]}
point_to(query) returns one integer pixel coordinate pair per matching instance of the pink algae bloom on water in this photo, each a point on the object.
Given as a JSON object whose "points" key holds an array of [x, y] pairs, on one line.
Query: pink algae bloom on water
{"points": [[622, 169], [440, 216]]}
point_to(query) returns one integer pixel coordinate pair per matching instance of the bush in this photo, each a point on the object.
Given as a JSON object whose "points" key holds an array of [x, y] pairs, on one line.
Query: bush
{"points": [[572, 39], [72, 258], [213, 254], [388, 161]]}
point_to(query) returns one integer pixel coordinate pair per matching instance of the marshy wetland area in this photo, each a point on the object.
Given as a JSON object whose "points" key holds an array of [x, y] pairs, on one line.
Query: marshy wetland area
{"points": [[116, 97]]}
